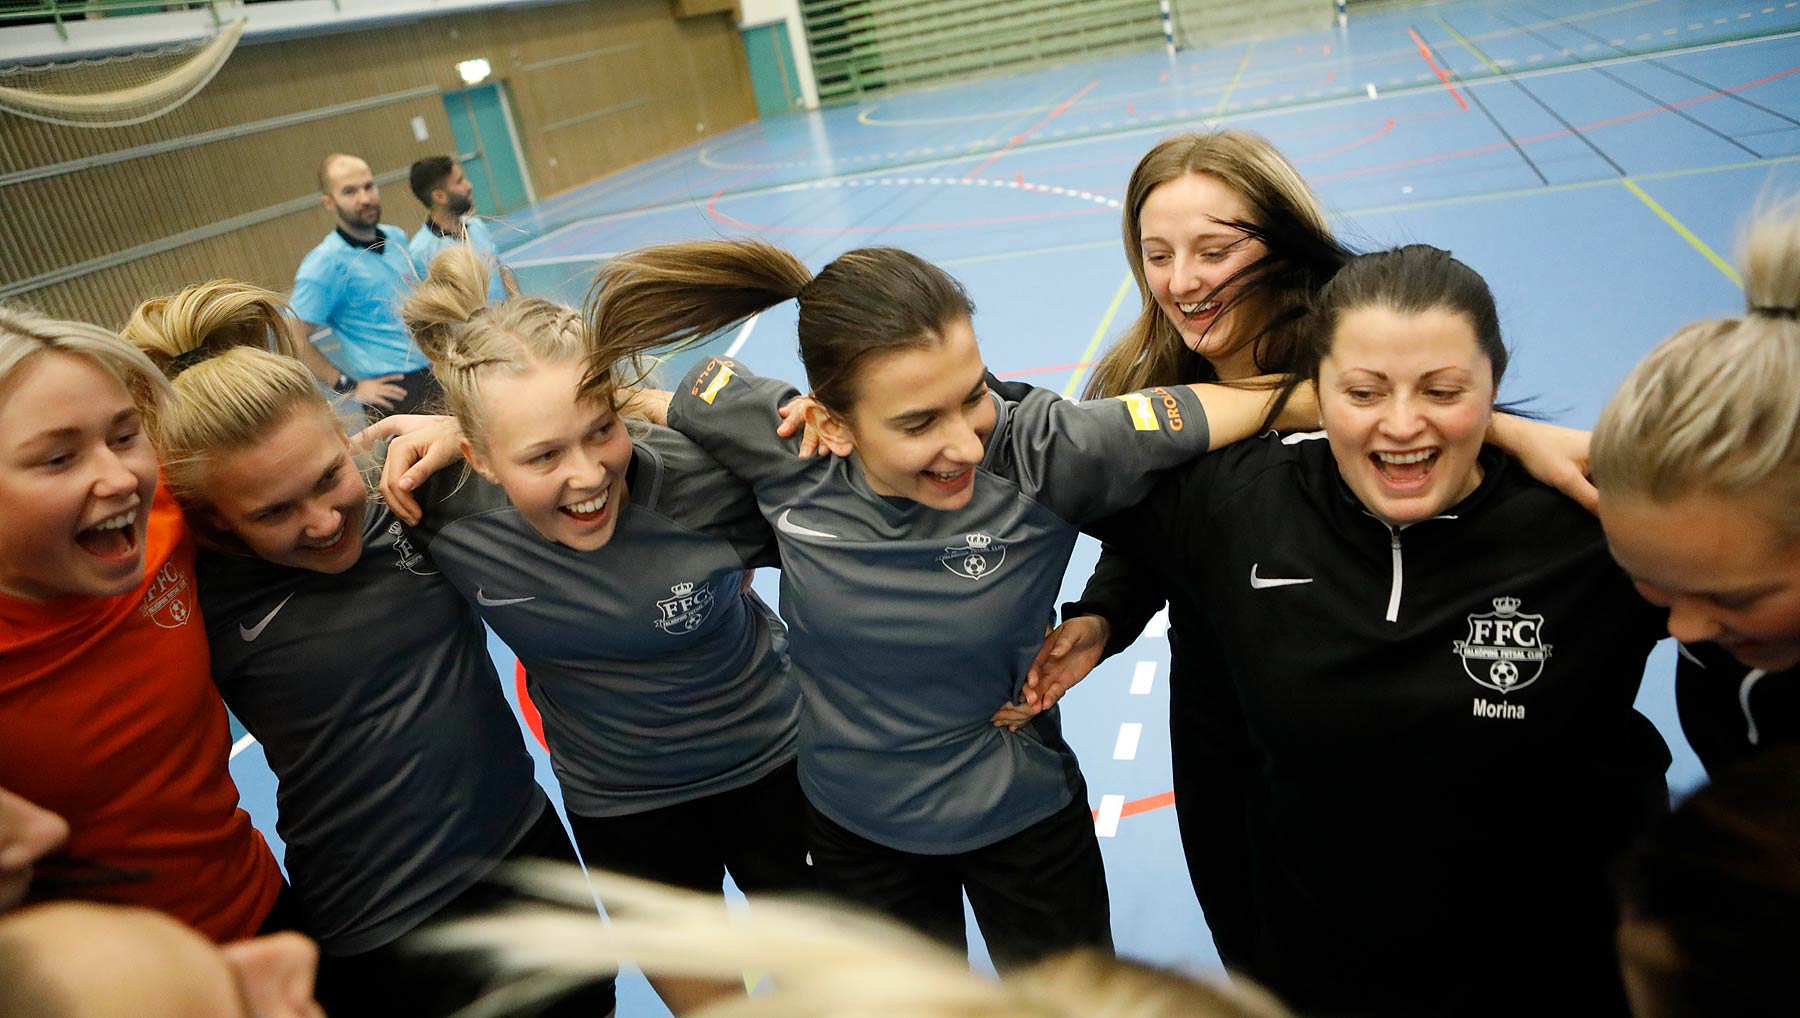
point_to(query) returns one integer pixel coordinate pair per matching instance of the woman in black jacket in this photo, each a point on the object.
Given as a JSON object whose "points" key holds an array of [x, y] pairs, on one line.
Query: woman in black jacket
{"points": [[1419, 745]]}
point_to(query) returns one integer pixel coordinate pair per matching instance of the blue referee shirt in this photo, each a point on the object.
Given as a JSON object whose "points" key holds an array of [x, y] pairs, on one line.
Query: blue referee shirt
{"points": [[429, 241], [357, 290]]}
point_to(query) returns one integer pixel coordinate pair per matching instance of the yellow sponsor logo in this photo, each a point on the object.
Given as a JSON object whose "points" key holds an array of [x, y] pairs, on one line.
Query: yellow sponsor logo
{"points": [[718, 382], [1143, 415]]}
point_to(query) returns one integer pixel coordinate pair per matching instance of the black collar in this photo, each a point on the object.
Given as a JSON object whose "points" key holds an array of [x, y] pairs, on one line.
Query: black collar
{"points": [[375, 245], [431, 224]]}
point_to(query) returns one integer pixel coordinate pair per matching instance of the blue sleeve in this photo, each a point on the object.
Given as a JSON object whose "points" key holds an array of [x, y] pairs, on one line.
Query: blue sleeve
{"points": [[318, 286]]}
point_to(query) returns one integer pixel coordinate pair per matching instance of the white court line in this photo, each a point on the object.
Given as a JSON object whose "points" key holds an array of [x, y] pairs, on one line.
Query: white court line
{"points": [[743, 336], [1126, 747], [1107, 823], [1143, 677], [1159, 624], [242, 744]]}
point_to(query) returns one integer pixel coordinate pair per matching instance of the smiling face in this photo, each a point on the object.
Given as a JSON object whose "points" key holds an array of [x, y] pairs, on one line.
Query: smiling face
{"points": [[76, 477], [1188, 255], [295, 498], [922, 419], [1406, 400], [561, 460], [1726, 573]]}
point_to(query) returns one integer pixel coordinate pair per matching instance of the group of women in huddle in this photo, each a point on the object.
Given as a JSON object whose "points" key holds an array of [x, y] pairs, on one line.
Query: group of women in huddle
{"points": [[1402, 668]]}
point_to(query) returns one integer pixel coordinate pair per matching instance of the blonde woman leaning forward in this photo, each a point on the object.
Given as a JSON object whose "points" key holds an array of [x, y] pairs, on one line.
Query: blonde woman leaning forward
{"points": [[402, 777], [1697, 458]]}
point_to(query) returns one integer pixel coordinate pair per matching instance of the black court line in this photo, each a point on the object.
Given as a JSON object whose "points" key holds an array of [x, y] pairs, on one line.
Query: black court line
{"points": [[1558, 117], [1678, 72], [1470, 92], [1622, 83]]}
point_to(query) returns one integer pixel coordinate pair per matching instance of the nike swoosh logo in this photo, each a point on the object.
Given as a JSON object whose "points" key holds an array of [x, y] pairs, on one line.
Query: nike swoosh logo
{"points": [[250, 633], [788, 526], [1265, 582], [485, 601]]}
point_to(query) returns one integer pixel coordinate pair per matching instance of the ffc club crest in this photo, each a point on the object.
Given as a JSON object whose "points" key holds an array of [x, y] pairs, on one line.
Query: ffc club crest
{"points": [[686, 610], [976, 557], [1505, 649], [406, 556], [168, 601]]}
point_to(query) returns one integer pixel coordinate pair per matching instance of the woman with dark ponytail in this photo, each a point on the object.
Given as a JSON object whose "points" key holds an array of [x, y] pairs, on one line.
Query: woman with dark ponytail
{"points": [[402, 777], [1432, 663], [919, 565]]}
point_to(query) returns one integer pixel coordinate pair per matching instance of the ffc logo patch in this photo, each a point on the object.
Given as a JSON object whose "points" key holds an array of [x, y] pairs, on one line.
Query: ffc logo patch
{"points": [[977, 557], [168, 601], [1505, 649], [686, 610], [1143, 410], [714, 377], [405, 555]]}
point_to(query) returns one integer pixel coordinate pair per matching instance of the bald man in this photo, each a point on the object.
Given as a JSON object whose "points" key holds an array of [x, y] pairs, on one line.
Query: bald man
{"points": [[354, 282]]}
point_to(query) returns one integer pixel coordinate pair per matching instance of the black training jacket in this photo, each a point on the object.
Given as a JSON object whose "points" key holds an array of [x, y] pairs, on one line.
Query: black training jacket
{"points": [[1730, 711], [1403, 759]]}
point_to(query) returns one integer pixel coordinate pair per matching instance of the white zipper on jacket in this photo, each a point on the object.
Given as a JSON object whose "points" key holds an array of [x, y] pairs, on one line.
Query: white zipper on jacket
{"points": [[1393, 609], [1744, 702], [1393, 612]]}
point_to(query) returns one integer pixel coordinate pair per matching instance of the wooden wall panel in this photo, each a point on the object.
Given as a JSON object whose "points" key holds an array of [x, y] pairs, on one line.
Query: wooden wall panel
{"points": [[596, 86]]}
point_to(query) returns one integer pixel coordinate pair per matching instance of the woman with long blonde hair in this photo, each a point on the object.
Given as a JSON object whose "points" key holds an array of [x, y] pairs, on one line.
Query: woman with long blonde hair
{"points": [[402, 778]]}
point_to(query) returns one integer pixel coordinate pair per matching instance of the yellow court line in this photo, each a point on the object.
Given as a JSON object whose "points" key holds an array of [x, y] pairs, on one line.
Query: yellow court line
{"points": [[1087, 355], [1469, 46], [1686, 234], [1235, 79]]}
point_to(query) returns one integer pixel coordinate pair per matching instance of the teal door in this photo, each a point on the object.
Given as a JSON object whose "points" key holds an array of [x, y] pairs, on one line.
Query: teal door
{"points": [[483, 125], [772, 74]]}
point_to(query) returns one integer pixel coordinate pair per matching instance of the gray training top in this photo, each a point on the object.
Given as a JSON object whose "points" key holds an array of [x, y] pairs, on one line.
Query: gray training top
{"points": [[910, 625], [402, 776], [659, 677]]}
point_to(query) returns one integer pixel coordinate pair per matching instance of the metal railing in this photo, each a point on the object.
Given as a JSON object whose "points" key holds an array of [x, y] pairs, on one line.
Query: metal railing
{"points": [[58, 12]]}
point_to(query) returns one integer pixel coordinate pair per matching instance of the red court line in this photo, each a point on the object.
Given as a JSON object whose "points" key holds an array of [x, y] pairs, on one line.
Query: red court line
{"points": [[533, 720], [1341, 149], [1019, 139], [1144, 805], [1499, 146], [1439, 71]]}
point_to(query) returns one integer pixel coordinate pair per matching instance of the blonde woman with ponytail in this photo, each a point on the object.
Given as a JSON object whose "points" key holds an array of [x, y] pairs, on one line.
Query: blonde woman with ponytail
{"points": [[402, 777], [106, 713], [1697, 458], [612, 556]]}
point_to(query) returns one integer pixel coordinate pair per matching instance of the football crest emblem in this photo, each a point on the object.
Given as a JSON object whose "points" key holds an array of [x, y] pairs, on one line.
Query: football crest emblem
{"points": [[1505, 650], [686, 609], [975, 558], [406, 556]]}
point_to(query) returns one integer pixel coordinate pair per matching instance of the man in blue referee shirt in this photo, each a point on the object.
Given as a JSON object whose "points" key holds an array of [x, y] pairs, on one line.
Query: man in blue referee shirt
{"points": [[354, 282], [449, 200]]}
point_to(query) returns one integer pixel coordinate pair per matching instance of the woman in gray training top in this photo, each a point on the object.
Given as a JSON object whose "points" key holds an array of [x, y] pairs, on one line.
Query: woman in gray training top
{"points": [[613, 562], [919, 566], [402, 777]]}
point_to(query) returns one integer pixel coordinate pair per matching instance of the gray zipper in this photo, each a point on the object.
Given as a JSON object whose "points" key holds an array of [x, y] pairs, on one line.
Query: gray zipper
{"points": [[1393, 612]]}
